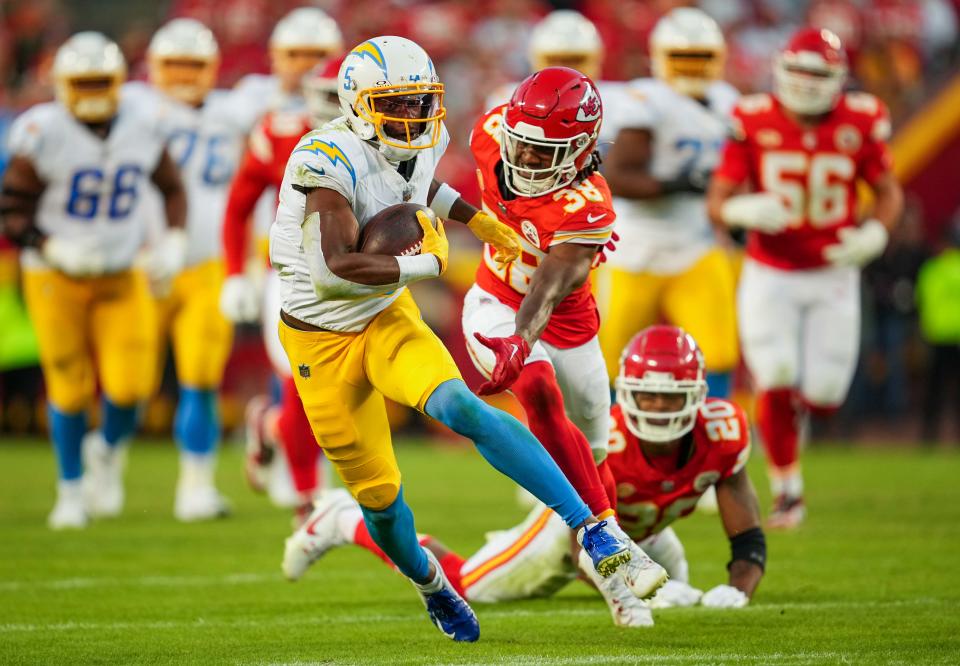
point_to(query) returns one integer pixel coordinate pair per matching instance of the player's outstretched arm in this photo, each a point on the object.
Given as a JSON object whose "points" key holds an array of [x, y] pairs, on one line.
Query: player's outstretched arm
{"points": [[740, 513], [19, 194], [565, 268], [628, 169], [343, 266], [447, 203]]}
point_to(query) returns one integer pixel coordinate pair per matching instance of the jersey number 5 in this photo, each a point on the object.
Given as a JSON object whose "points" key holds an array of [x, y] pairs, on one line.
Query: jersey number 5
{"points": [[815, 187]]}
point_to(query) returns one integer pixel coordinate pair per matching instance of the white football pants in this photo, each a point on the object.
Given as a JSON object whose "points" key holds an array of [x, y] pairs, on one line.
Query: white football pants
{"points": [[581, 371], [800, 329]]}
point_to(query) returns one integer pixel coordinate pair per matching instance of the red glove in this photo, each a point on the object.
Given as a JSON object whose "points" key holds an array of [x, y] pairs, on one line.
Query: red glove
{"points": [[511, 353], [610, 246]]}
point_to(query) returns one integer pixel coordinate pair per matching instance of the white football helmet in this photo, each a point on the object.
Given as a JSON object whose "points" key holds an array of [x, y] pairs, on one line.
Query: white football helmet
{"points": [[182, 59], [390, 92], [688, 51], [302, 39], [88, 71], [566, 38]]}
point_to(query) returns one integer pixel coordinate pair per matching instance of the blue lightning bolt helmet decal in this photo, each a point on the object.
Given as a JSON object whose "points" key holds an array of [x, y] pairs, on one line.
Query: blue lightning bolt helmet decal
{"points": [[332, 152]]}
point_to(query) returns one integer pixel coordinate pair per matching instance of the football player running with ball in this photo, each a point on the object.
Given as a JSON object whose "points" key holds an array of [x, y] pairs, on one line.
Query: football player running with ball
{"points": [[531, 325], [668, 444], [802, 150], [70, 200], [353, 333]]}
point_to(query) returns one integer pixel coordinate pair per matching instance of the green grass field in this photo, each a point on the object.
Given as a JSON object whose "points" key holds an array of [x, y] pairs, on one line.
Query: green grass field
{"points": [[871, 578]]}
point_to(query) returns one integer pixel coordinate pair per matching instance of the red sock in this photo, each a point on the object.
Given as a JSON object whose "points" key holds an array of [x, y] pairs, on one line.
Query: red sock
{"points": [[298, 440], [777, 421], [609, 483], [450, 563], [538, 392], [820, 411]]}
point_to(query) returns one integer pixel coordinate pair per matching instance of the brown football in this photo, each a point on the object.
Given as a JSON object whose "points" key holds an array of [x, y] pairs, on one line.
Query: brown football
{"points": [[395, 231]]}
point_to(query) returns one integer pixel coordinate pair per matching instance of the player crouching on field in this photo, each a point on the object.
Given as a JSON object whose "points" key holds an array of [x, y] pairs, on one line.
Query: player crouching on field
{"points": [[668, 444]]}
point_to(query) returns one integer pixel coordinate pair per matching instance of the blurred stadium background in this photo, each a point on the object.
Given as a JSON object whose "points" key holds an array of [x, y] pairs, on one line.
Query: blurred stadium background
{"points": [[904, 51]]}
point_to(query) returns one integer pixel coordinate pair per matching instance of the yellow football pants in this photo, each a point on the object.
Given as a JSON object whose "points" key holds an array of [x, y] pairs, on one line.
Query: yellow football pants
{"points": [[343, 378], [701, 300], [189, 316], [104, 325]]}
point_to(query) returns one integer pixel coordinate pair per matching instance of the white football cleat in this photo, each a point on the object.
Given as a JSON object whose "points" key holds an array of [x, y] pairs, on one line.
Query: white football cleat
{"points": [[625, 608], [69, 512], [675, 594], [103, 475], [641, 574], [197, 496], [318, 534], [196, 503]]}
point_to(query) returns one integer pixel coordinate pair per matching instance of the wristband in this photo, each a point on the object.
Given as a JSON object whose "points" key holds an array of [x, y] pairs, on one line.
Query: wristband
{"points": [[750, 546], [443, 201], [418, 267]]}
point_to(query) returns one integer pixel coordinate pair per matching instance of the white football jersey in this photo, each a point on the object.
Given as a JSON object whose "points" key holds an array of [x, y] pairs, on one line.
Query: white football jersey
{"points": [[334, 157], [206, 143], [94, 185], [668, 234]]}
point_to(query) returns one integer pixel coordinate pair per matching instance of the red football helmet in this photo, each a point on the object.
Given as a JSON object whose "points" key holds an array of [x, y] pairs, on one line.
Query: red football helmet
{"points": [[810, 72], [549, 130], [320, 91], [661, 359]]}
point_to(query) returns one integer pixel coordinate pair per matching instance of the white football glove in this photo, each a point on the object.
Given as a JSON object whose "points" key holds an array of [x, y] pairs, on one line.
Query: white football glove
{"points": [[77, 257], [858, 245], [166, 258], [239, 299], [675, 594], [761, 211], [724, 596]]}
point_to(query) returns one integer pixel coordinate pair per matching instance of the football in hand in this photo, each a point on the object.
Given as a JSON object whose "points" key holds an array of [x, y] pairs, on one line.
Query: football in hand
{"points": [[395, 231]]}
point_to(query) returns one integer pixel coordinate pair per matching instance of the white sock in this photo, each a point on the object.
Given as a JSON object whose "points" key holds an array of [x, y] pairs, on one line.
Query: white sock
{"points": [[436, 584]]}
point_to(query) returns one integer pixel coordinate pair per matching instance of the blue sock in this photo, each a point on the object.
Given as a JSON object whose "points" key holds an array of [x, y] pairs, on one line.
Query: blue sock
{"points": [[196, 425], [719, 384], [508, 446], [119, 423], [392, 529], [67, 431], [276, 389]]}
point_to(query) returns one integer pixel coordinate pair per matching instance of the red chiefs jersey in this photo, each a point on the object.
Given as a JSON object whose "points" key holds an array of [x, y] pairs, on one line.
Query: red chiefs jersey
{"points": [[262, 166], [580, 213], [648, 498], [814, 169]]}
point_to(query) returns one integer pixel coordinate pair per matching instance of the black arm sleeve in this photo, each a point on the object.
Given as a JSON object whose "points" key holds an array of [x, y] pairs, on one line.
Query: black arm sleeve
{"points": [[750, 546]]}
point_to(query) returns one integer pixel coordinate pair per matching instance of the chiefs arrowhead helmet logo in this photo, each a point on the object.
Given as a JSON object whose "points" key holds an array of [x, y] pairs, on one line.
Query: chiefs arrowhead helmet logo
{"points": [[590, 106]]}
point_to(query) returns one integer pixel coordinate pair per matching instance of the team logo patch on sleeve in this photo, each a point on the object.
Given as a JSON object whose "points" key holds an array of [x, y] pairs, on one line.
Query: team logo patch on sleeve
{"points": [[332, 152], [704, 480]]}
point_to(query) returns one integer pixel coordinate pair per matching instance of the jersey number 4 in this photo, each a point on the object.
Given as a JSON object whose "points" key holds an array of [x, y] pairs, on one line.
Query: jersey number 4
{"points": [[87, 189], [815, 187]]}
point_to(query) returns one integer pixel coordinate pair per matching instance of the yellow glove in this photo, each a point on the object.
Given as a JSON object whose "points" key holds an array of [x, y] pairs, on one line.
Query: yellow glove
{"points": [[434, 240], [490, 230]]}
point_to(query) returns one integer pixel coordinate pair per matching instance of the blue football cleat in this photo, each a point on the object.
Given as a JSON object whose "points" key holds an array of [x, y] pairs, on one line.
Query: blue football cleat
{"points": [[448, 610], [452, 615], [607, 550]]}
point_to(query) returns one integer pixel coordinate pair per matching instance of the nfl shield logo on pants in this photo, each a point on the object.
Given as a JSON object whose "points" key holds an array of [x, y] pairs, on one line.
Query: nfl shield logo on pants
{"points": [[304, 370]]}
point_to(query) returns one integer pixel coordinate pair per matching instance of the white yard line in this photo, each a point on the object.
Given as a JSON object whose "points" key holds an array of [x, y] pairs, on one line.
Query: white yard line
{"points": [[484, 612]]}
